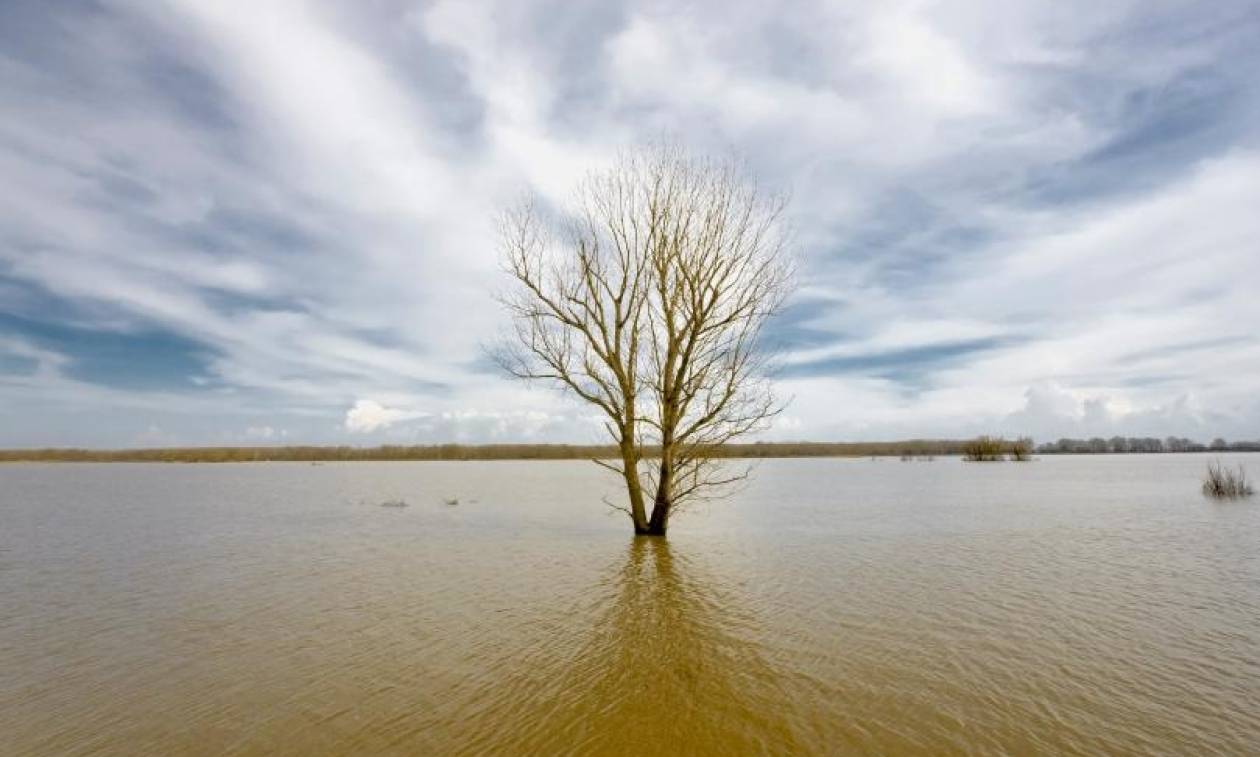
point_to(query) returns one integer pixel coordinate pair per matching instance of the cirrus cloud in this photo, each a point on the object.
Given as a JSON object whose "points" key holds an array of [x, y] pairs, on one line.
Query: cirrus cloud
{"points": [[248, 218]]}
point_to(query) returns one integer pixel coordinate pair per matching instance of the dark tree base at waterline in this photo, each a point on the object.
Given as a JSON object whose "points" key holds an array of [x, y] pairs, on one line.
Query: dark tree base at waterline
{"points": [[657, 524]]}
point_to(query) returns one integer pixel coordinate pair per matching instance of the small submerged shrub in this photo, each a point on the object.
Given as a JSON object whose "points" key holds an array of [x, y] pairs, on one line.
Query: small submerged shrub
{"points": [[984, 449], [993, 449], [1021, 450], [1223, 483]]}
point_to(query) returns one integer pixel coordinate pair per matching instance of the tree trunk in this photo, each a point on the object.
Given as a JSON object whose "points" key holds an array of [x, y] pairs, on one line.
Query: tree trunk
{"points": [[664, 499], [629, 464], [660, 518]]}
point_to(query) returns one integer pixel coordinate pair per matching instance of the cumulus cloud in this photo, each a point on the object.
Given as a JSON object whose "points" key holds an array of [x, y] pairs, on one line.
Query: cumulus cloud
{"points": [[1052, 411], [367, 416]]}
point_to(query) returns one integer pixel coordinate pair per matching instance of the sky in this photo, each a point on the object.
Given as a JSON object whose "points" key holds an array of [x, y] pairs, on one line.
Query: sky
{"points": [[272, 222]]}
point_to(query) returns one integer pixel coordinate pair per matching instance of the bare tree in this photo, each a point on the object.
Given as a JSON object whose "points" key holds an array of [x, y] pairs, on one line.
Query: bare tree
{"points": [[647, 299]]}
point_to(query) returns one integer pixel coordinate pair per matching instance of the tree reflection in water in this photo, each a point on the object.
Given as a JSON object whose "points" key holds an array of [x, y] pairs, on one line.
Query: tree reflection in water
{"points": [[668, 667]]}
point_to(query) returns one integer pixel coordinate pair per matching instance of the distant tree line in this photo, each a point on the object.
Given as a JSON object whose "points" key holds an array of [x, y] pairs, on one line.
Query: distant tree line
{"points": [[907, 449], [914, 447], [1148, 444], [309, 453]]}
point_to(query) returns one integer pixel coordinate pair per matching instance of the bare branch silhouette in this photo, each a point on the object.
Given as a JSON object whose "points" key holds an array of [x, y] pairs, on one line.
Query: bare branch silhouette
{"points": [[647, 300]]}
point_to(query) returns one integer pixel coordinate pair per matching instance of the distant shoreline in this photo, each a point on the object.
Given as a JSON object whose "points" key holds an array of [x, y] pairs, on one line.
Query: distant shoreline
{"points": [[468, 452], [911, 449]]}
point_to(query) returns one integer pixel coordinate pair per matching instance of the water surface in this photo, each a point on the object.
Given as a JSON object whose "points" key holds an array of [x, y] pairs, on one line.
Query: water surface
{"points": [[1079, 605]]}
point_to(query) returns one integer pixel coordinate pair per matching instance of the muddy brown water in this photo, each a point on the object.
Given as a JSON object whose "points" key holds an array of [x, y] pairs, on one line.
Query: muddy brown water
{"points": [[1073, 605]]}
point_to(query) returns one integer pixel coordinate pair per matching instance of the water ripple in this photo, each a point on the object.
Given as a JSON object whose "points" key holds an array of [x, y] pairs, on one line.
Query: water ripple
{"points": [[832, 607]]}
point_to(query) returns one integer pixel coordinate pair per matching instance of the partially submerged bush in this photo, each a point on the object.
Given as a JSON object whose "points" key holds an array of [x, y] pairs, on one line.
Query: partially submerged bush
{"points": [[1223, 483], [984, 449], [1021, 450]]}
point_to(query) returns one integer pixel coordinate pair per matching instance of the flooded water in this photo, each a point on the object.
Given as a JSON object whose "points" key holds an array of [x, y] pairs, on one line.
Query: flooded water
{"points": [[1073, 605]]}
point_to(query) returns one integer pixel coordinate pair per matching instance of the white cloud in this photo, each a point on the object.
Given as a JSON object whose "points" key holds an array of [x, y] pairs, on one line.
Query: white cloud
{"points": [[926, 66], [367, 416], [266, 433], [1051, 411], [303, 190]]}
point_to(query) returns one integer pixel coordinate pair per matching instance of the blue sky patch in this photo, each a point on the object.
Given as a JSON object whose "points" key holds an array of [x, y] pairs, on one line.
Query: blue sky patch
{"points": [[143, 360], [911, 366]]}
